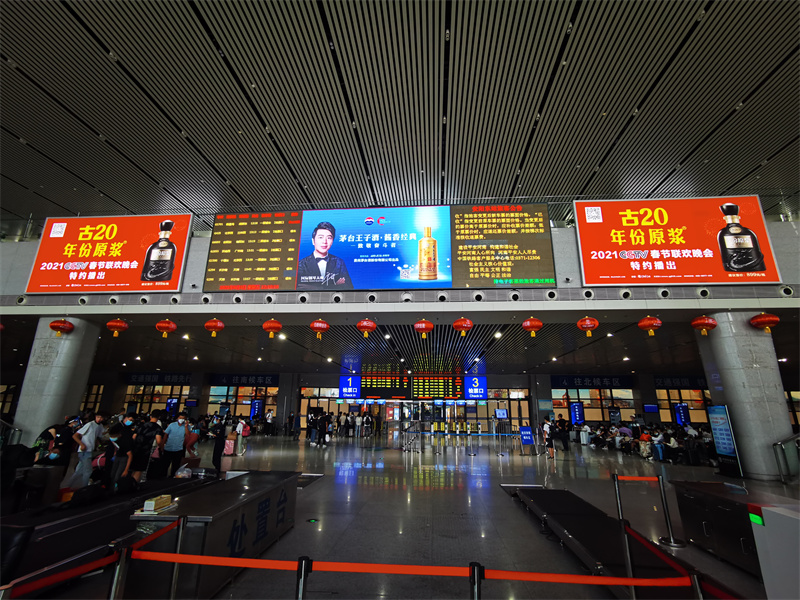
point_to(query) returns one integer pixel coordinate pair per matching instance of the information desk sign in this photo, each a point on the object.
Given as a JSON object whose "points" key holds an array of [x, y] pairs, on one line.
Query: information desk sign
{"points": [[526, 436], [674, 242], [725, 443], [349, 386], [111, 254]]}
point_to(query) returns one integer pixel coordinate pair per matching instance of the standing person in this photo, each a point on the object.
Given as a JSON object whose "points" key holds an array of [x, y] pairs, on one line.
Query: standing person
{"points": [[342, 424], [147, 438], [321, 270], [86, 438], [218, 430], [311, 428], [359, 421], [351, 424], [548, 438], [174, 436], [270, 430], [240, 449], [297, 422], [121, 436], [322, 429], [377, 424], [563, 431]]}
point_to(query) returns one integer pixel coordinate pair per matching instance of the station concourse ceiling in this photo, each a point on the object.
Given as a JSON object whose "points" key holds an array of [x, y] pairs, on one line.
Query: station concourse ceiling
{"points": [[152, 107]]}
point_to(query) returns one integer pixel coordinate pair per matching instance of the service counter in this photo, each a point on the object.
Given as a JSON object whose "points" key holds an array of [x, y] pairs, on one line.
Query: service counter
{"points": [[239, 517]]}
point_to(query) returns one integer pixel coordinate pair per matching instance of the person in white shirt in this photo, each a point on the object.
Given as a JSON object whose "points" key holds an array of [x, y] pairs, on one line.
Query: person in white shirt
{"points": [[548, 440], [269, 423], [86, 438], [358, 425], [240, 449]]}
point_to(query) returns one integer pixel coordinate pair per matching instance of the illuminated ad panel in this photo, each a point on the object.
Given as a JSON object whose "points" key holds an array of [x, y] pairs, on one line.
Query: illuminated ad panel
{"points": [[253, 252], [429, 247], [674, 242], [504, 245], [111, 254]]}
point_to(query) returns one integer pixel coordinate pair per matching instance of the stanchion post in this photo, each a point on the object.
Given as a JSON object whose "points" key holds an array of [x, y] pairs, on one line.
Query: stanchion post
{"points": [[173, 592], [120, 571], [625, 542], [304, 567], [671, 541], [696, 587], [476, 575]]}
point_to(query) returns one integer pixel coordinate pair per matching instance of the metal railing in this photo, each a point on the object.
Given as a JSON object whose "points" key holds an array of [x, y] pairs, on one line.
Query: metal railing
{"points": [[788, 463]]}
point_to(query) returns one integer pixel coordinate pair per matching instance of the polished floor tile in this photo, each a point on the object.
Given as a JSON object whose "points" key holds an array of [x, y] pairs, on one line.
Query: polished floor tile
{"points": [[440, 503]]}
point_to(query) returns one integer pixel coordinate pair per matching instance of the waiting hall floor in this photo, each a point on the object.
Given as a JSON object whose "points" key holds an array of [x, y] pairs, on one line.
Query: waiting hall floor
{"points": [[438, 505]]}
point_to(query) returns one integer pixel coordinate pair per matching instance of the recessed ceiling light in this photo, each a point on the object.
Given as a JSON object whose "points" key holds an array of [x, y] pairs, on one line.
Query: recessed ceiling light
{"points": [[554, 359], [330, 359], [157, 369], [124, 364], [282, 336], [387, 336], [498, 334], [186, 336], [195, 358], [409, 371], [259, 358], [402, 360], [783, 360], [626, 358], [609, 335], [477, 358], [138, 358]]}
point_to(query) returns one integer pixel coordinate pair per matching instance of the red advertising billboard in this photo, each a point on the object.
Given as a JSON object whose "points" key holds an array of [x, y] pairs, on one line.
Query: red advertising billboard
{"points": [[674, 242], [111, 254]]}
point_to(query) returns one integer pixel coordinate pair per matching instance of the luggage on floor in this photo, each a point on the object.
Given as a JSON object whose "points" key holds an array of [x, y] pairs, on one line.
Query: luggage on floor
{"points": [[229, 448]]}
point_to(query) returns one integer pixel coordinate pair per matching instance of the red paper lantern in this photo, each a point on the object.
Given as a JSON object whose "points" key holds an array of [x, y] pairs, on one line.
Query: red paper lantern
{"points": [[463, 325], [366, 325], [320, 327], [61, 326], [166, 326], [214, 325], [765, 321], [272, 327], [650, 324], [116, 326], [704, 324], [424, 327], [587, 324], [533, 325]]}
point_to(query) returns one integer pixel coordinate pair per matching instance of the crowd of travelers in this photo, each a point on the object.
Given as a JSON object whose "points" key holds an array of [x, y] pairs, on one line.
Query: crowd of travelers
{"points": [[322, 427], [664, 443]]}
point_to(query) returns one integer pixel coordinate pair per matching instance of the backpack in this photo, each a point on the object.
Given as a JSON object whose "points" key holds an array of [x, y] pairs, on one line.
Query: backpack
{"points": [[246, 430]]}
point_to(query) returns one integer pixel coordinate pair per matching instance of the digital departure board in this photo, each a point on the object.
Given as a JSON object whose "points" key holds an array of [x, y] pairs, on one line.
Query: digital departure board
{"points": [[253, 252], [428, 247], [435, 386], [392, 387]]}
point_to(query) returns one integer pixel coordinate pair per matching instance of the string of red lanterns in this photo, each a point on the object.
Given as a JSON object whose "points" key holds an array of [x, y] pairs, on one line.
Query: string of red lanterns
{"points": [[117, 326], [463, 325], [61, 326], [365, 326]]}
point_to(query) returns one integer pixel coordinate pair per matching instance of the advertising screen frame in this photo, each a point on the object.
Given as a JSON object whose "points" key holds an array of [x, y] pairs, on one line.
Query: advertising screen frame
{"points": [[176, 284], [763, 237]]}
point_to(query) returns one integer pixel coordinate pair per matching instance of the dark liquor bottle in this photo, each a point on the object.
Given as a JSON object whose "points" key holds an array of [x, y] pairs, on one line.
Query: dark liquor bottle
{"points": [[738, 246], [160, 258]]}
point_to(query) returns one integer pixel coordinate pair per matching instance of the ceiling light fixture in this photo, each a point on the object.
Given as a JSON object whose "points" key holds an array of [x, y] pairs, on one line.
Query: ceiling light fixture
{"points": [[626, 358], [195, 358], [282, 336], [330, 359], [186, 336], [554, 359], [609, 335], [138, 358], [409, 371], [124, 364], [498, 335], [259, 359], [402, 360], [387, 336], [783, 360]]}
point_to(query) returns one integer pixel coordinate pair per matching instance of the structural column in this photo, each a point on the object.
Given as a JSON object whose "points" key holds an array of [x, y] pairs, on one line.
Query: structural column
{"points": [[742, 373], [56, 376]]}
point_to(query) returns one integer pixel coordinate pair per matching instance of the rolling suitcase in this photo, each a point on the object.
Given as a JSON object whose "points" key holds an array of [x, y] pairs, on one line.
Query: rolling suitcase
{"points": [[229, 448]]}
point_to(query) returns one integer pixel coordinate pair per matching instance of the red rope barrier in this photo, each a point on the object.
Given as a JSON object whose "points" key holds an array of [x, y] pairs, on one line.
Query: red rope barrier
{"points": [[587, 579], [25, 588], [657, 551], [155, 535], [384, 569], [715, 591], [635, 478]]}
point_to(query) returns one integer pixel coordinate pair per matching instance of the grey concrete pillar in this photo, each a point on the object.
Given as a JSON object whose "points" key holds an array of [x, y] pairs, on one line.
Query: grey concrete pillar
{"points": [[56, 376], [646, 394], [742, 372]]}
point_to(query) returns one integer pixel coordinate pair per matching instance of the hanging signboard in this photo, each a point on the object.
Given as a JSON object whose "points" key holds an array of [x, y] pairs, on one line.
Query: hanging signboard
{"points": [[720, 421], [111, 254], [674, 242]]}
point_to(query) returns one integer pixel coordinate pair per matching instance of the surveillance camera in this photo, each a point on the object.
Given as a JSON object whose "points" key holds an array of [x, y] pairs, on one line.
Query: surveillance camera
{"points": [[568, 279]]}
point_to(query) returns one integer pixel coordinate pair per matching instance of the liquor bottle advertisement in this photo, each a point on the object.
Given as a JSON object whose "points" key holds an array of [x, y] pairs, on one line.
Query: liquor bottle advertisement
{"points": [[383, 248], [111, 254], [674, 242]]}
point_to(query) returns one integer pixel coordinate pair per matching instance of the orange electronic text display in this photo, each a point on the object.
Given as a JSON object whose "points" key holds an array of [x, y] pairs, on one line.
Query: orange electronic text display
{"points": [[674, 242], [111, 254]]}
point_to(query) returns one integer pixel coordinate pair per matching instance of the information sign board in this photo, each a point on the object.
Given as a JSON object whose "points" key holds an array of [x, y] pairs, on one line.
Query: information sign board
{"points": [[725, 443], [349, 386], [426, 387]]}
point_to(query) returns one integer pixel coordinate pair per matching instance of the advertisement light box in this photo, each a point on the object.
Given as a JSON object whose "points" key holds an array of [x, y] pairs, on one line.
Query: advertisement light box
{"points": [[674, 242], [111, 254], [427, 247]]}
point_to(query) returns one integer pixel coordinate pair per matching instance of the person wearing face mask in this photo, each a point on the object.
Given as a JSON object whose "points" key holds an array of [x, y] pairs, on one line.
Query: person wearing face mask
{"points": [[218, 431], [173, 446], [122, 437], [147, 443], [86, 437]]}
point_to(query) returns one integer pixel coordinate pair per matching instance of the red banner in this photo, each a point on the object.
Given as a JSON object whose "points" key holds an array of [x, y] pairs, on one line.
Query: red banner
{"points": [[674, 242], [111, 254]]}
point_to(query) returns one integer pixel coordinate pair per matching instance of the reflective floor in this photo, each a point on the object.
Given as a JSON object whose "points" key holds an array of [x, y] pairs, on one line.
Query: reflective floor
{"points": [[439, 502]]}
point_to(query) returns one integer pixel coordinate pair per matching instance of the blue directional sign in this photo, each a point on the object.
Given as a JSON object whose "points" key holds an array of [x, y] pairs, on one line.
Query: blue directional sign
{"points": [[526, 435], [349, 386], [682, 414], [576, 412], [475, 388]]}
